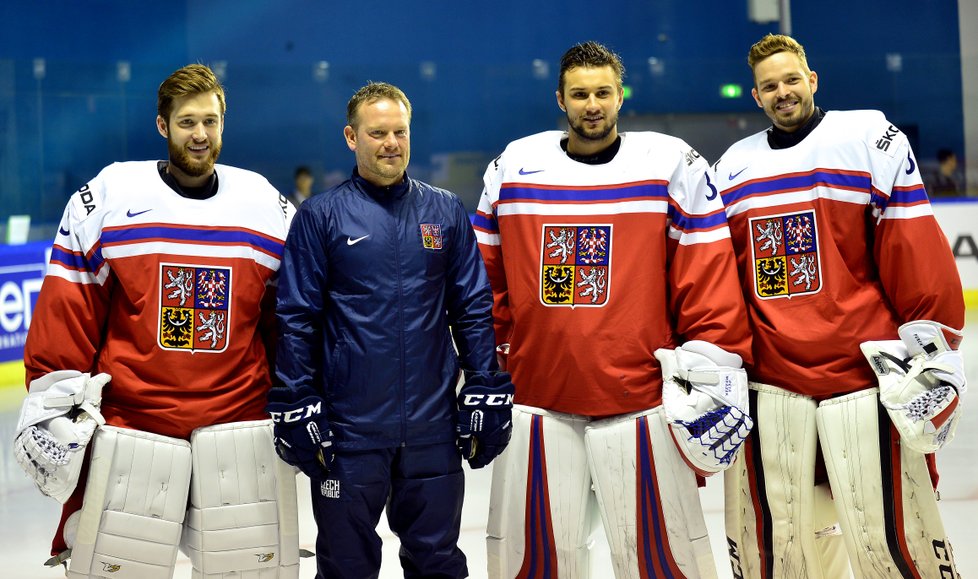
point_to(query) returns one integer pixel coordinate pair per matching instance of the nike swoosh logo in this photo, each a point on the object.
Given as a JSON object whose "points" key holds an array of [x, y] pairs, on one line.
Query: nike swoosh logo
{"points": [[732, 176], [63, 231], [912, 165], [351, 241], [131, 214], [524, 172]]}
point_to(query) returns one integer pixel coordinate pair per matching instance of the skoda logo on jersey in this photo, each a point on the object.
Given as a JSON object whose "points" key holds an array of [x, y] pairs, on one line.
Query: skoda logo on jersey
{"points": [[431, 236], [785, 255], [195, 307], [575, 265]]}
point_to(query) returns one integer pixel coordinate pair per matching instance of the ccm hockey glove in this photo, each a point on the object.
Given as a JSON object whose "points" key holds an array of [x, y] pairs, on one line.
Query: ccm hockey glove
{"points": [[303, 437], [485, 417]]}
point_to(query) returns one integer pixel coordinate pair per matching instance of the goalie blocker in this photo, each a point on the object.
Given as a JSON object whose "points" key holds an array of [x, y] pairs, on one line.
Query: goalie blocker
{"points": [[242, 520]]}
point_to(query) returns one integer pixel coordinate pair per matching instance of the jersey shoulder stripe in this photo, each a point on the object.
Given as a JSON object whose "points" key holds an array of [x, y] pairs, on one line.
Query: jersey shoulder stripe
{"points": [[122, 235], [792, 182], [645, 190]]}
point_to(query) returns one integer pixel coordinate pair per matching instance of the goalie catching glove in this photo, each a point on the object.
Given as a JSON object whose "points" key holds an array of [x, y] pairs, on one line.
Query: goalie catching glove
{"points": [[57, 420], [485, 417], [921, 382], [303, 437], [704, 396]]}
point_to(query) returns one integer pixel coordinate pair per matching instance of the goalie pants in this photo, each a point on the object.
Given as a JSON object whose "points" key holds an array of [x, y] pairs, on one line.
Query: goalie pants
{"points": [[422, 488], [779, 523]]}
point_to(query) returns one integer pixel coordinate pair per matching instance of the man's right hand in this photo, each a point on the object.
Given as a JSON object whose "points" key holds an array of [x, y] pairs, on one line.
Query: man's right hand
{"points": [[302, 435]]}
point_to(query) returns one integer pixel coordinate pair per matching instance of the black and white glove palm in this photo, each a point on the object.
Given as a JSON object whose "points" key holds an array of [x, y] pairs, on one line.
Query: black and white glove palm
{"points": [[922, 382], [303, 437], [705, 398], [485, 417]]}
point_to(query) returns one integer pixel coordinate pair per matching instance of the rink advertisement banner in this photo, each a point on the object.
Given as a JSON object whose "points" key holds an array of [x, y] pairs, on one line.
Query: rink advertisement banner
{"points": [[959, 220], [21, 273]]}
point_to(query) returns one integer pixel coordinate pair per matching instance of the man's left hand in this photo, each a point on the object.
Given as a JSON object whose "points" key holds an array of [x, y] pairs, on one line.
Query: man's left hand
{"points": [[485, 417]]}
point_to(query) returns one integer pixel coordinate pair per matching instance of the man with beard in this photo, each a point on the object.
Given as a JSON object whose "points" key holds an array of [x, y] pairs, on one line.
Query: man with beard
{"points": [[162, 281], [857, 312], [606, 252]]}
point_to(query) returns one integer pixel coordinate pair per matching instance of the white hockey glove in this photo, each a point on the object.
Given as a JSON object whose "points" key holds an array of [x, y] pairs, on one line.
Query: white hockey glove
{"points": [[704, 396], [921, 381], [57, 420]]}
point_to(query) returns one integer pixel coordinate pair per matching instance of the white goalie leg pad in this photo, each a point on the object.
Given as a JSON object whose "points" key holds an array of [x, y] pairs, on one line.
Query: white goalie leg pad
{"points": [[648, 498], [883, 493], [56, 423], [243, 516], [770, 494], [134, 506], [539, 502]]}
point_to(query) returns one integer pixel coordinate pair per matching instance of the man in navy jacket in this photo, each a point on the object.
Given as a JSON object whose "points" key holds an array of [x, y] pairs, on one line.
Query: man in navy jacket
{"points": [[380, 273]]}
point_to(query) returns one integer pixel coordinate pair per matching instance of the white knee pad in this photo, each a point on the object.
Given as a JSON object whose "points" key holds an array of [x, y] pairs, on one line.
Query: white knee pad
{"points": [[134, 506], [243, 516], [538, 507], [648, 498], [888, 508]]}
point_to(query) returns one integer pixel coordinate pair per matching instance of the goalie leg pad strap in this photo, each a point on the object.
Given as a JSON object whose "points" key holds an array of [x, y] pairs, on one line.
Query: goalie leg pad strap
{"points": [[769, 492], [243, 513], [648, 499], [134, 506], [541, 488], [883, 493]]}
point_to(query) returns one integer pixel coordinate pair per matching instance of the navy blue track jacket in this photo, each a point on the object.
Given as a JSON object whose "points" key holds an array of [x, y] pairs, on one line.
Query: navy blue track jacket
{"points": [[373, 285]]}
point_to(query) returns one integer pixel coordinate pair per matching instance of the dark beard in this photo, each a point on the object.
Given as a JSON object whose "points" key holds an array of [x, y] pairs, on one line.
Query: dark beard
{"points": [[181, 160], [580, 132]]}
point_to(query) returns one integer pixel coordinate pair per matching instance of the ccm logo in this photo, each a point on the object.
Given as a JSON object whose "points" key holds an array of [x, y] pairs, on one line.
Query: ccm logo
{"points": [[487, 400], [297, 414]]}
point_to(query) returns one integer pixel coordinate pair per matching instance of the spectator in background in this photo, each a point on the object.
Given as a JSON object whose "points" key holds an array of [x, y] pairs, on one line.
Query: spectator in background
{"points": [[944, 182], [303, 185]]}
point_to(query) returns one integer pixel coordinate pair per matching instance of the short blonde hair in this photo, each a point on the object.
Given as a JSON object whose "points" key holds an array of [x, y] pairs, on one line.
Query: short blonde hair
{"points": [[190, 80], [773, 44], [372, 92]]}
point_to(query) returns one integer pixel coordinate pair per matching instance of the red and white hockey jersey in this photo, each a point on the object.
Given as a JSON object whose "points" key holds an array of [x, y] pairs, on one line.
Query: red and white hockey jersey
{"points": [[170, 295], [836, 244], [594, 267]]}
